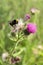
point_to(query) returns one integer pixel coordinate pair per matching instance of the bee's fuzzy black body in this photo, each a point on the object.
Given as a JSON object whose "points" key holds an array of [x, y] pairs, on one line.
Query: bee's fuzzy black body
{"points": [[13, 22]]}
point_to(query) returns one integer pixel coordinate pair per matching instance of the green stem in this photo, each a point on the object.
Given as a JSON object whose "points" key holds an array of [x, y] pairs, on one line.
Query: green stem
{"points": [[16, 54], [36, 17]]}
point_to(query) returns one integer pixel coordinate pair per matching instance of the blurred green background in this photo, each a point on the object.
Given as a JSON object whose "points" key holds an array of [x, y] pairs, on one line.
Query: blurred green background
{"points": [[11, 9]]}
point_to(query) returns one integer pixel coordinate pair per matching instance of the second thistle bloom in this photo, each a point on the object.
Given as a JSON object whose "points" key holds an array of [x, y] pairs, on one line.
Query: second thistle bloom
{"points": [[31, 28], [27, 16]]}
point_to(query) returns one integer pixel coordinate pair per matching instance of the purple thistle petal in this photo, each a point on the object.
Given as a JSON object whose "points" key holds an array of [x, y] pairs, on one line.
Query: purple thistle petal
{"points": [[27, 16], [15, 60], [31, 28]]}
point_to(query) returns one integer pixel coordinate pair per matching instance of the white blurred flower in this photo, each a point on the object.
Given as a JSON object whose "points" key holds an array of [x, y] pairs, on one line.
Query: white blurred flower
{"points": [[20, 23], [34, 10], [4, 56], [40, 47]]}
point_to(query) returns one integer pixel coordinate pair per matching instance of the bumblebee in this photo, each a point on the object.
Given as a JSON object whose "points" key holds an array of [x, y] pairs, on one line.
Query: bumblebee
{"points": [[13, 22]]}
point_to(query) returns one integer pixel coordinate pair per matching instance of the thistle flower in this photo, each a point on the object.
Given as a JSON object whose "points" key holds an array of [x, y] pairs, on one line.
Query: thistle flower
{"points": [[4, 56], [27, 16], [18, 26], [14, 60], [31, 28], [34, 10]]}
